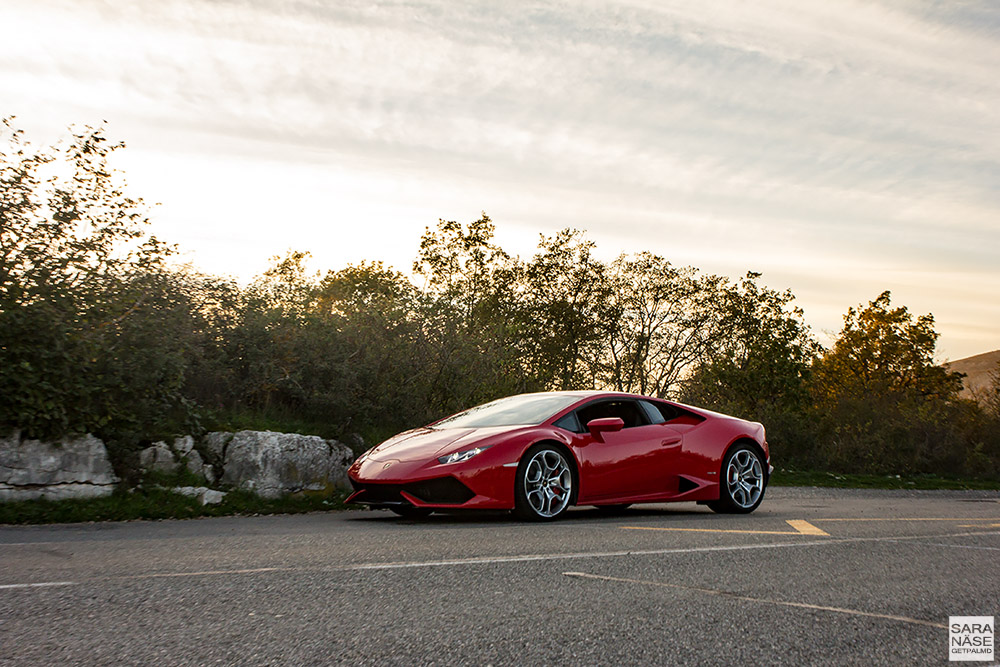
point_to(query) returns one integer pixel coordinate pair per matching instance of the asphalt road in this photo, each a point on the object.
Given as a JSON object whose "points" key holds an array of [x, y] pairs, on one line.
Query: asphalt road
{"points": [[871, 577]]}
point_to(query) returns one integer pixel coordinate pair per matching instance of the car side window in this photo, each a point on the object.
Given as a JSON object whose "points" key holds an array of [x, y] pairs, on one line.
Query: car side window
{"points": [[626, 410], [654, 412], [665, 411], [569, 422]]}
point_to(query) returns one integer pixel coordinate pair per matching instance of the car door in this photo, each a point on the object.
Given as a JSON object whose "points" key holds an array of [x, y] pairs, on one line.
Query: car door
{"points": [[637, 461]]}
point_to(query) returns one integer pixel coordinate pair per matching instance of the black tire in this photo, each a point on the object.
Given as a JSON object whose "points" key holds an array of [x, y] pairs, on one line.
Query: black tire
{"points": [[544, 483], [742, 481], [410, 511]]}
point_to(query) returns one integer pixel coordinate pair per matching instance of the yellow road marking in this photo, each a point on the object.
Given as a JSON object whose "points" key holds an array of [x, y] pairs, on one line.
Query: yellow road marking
{"points": [[979, 525], [805, 527], [801, 528], [713, 530], [907, 518]]}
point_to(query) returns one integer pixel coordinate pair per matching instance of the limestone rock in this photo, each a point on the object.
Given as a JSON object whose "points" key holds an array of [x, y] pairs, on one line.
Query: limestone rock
{"points": [[355, 442], [183, 445], [215, 445], [158, 458], [71, 468], [194, 462], [196, 465], [274, 464], [211, 497], [205, 495]]}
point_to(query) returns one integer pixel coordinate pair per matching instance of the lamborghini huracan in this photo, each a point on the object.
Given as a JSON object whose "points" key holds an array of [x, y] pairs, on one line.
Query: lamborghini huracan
{"points": [[539, 454]]}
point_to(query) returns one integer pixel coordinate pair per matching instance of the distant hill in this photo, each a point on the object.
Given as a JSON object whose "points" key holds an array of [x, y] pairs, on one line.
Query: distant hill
{"points": [[977, 370]]}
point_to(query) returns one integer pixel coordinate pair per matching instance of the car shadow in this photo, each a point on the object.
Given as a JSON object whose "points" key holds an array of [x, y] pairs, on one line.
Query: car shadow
{"points": [[494, 517]]}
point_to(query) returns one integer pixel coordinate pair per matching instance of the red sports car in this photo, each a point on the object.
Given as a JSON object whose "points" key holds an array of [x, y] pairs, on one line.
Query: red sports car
{"points": [[537, 454]]}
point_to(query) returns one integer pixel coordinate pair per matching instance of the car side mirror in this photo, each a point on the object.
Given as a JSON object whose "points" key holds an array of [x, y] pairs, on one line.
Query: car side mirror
{"points": [[598, 427]]}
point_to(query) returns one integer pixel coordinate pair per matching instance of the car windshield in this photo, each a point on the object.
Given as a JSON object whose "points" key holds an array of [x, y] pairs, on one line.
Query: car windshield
{"points": [[526, 409]]}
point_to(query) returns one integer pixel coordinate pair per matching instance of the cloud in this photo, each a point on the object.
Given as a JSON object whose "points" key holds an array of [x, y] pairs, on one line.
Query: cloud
{"points": [[736, 135]]}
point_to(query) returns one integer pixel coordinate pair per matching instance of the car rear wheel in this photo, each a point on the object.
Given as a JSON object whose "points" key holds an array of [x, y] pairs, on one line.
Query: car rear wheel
{"points": [[544, 484], [743, 483]]}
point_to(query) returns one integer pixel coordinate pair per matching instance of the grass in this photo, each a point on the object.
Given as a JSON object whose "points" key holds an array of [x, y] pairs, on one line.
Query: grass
{"points": [[154, 503], [783, 477]]}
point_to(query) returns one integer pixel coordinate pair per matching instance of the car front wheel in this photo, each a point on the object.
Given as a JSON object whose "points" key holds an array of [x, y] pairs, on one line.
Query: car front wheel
{"points": [[742, 486], [544, 484]]}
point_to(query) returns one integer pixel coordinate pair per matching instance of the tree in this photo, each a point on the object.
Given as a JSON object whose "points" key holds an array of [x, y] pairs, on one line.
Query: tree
{"points": [[991, 394], [63, 236], [373, 372], [266, 347], [81, 283], [465, 270], [884, 404], [884, 351], [471, 309], [758, 364], [562, 311], [662, 319]]}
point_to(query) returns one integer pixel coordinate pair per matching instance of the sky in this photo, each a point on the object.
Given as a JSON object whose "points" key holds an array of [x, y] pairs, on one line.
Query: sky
{"points": [[839, 148]]}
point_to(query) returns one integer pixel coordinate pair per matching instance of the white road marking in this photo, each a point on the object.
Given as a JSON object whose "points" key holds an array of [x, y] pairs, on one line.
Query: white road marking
{"points": [[41, 584], [747, 598], [637, 552], [204, 573], [568, 556], [156, 575], [960, 546], [521, 558]]}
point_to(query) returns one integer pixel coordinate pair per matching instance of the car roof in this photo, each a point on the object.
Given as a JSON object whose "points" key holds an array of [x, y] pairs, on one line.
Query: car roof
{"points": [[589, 393]]}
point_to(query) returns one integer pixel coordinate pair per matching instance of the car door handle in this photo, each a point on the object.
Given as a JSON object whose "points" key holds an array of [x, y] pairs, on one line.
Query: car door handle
{"points": [[671, 442]]}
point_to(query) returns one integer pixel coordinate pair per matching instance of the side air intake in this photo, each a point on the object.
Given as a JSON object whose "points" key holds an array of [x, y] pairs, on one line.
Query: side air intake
{"points": [[684, 484]]}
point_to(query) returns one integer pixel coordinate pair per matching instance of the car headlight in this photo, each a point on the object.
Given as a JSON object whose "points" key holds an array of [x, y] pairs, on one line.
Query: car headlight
{"points": [[456, 457]]}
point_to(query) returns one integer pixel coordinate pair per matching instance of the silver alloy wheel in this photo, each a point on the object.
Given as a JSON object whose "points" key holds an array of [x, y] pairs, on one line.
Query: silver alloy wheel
{"points": [[548, 482], [745, 478]]}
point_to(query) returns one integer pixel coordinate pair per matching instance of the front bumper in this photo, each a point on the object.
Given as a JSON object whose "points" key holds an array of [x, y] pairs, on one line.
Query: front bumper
{"points": [[480, 483], [437, 492]]}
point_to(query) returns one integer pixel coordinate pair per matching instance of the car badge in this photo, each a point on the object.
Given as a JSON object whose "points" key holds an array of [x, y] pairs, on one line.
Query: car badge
{"points": [[387, 465]]}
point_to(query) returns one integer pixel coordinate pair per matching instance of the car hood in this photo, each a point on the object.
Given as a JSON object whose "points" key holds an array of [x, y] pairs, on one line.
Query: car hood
{"points": [[421, 444]]}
